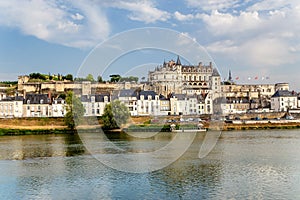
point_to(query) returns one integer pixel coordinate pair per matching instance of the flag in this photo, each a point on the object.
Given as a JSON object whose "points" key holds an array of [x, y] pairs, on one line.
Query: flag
{"points": [[267, 77], [256, 77], [262, 78], [249, 78], [237, 78]]}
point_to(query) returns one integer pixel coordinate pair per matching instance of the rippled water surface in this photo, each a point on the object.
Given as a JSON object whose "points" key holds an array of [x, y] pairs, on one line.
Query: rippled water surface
{"points": [[243, 165]]}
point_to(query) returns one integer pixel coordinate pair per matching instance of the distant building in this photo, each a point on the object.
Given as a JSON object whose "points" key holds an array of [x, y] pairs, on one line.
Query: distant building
{"points": [[284, 100], [173, 77], [235, 105], [182, 104], [94, 104], [11, 107], [36, 105]]}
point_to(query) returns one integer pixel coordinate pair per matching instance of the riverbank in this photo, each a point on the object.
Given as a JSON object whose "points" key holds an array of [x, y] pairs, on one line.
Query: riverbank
{"points": [[261, 126], [35, 126]]}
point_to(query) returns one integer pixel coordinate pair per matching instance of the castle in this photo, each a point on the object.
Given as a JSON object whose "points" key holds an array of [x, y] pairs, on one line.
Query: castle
{"points": [[171, 89]]}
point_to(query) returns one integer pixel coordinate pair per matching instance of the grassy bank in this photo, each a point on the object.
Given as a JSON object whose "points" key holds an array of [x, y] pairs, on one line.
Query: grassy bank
{"points": [[32, 126], [13, 132], [229, 127]]}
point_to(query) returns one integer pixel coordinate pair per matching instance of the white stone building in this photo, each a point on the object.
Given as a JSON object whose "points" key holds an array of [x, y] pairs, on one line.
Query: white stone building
{"points": [[94, 104], [237, 105], [11, 107], [173, 77], [284, 100], [58, 108]]}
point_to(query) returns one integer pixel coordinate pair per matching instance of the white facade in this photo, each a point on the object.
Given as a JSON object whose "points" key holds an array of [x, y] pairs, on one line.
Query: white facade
{"points": [[147, 105], [94, 106], [173, 77], [58, 108], [279, 104], [10, 109], [181, 104], [36, 110], [283, 100]]}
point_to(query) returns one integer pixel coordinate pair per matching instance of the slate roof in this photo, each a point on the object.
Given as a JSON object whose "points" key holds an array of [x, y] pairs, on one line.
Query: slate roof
{"points": [[36, 99], [128, 93], [179, 96], [148, 93], [162, 97], [98, 98], [215, 72], [178, 62], [17, 98], [284, 93]]}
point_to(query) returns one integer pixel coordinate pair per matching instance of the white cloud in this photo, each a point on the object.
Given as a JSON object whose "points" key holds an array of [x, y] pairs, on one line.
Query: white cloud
{"points": [[53, 22], [260, 39], [144, 11], [181, 17], [258, 52], [226, 23], [267, 5], [77, 16], [208, 5]]}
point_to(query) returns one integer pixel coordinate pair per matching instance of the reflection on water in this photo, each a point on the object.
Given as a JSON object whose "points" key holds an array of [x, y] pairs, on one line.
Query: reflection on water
{"points": [[35, 146], [243, 165]]}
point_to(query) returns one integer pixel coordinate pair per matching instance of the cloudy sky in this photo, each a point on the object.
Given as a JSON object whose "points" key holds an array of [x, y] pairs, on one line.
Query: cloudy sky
{"points": [[252, 38]]}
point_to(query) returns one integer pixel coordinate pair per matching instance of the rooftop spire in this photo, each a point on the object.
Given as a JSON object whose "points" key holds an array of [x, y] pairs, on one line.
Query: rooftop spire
{"points": [[229, 77], [178, 61]]}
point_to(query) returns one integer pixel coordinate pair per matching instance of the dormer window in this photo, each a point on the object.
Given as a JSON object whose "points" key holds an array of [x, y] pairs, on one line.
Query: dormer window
{"points": [[28, 101], [105, 99], [41, 101]]}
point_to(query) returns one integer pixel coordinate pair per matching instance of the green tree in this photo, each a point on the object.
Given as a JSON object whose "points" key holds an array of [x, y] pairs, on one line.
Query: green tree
{"points": [[115, 115], [129, 79], [99, 79], [115, 78], [69, 77], [90, 77], [75, 110]]}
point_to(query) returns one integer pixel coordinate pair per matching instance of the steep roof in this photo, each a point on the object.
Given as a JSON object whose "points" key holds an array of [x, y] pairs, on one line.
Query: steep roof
{"points": [[215, 72], [178, 62], [148, 93], [179, 96], [36, 99], [284, 93], [17, 98], [128, 93], [98, 98]]}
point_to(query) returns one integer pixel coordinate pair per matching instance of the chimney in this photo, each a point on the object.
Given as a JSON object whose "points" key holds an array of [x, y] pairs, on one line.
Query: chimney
{"points": [[49, 96]]}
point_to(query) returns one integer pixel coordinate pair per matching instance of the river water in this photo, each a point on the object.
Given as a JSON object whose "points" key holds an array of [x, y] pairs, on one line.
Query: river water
{"points": [[242, 165]]}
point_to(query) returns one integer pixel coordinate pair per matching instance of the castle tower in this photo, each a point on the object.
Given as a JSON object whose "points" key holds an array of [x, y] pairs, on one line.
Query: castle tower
{"points": [[230, 77], [178, 62]]}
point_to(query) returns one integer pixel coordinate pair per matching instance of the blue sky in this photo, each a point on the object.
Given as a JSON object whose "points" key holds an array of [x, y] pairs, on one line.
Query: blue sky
{"points": [[251, 38]]}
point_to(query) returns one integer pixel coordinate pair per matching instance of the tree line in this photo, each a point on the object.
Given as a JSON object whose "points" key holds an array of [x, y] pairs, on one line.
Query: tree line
{"points": [[59, 77]]}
